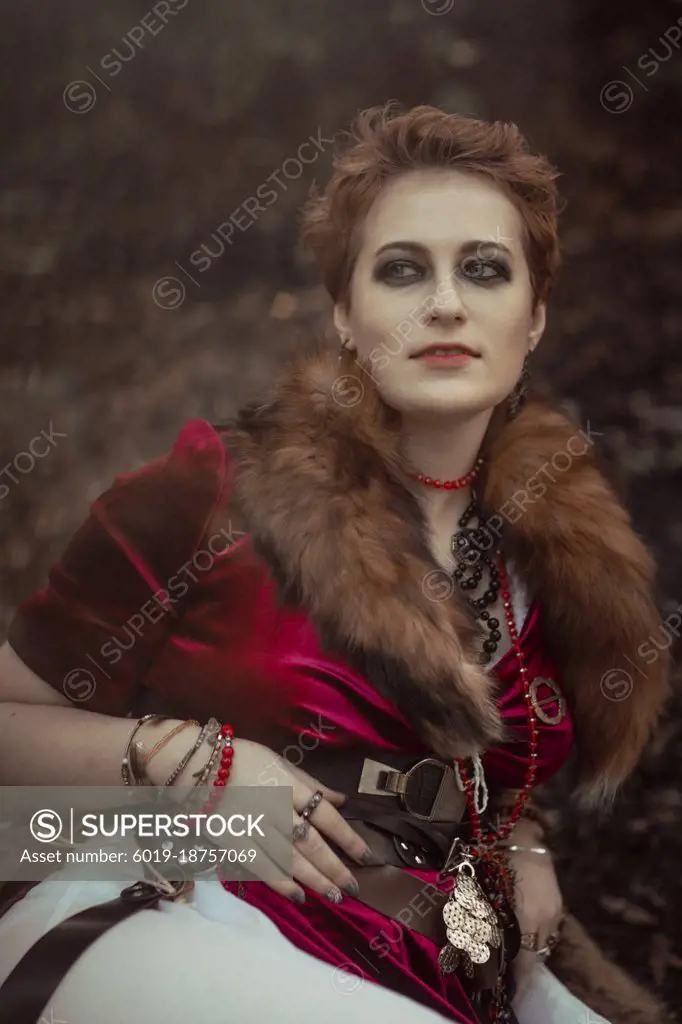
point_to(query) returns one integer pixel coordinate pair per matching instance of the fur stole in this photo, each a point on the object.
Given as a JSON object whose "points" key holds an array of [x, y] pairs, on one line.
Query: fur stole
{"points": [[320, 479]]}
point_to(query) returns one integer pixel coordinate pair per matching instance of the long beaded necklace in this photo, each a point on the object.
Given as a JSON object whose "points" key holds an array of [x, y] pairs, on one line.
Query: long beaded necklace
{"points": [[496, 877], [479, 909], [502, 833], [472, 917]]}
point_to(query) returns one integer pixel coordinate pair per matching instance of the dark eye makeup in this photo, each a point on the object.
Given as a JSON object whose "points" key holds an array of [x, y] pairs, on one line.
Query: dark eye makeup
{"points": [[480, 270], [399, 271], [483, 268]]}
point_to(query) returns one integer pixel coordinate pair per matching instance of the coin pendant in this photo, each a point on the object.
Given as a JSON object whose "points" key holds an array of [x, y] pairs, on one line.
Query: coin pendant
{"points": [[479, 930], [459, 938], [465, 897], [454, 915], [479, 952], [448, 959]]}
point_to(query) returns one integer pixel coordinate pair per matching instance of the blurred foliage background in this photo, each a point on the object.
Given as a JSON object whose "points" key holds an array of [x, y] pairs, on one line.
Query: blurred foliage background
{"points": [[132, 132]]}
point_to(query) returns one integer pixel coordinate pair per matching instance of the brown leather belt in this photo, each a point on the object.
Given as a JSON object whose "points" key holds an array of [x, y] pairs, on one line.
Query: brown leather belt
{"points": [[424, 787], [414, 805], [29, 987]]}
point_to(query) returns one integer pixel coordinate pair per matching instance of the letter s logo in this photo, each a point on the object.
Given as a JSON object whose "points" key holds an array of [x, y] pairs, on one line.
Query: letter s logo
{"points": [[46, 826]]}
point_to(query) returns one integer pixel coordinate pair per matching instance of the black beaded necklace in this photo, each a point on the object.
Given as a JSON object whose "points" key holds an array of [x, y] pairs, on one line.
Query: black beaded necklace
{"points": [[468, 548]]}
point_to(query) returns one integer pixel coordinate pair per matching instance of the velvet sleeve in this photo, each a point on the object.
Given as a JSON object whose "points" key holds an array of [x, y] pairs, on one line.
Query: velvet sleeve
{"points": [[106, 610]]}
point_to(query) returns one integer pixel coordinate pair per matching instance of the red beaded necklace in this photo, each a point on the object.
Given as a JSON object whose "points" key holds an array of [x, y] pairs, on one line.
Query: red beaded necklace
{"points": [[481, 840], [494, 866], [450, 485]]}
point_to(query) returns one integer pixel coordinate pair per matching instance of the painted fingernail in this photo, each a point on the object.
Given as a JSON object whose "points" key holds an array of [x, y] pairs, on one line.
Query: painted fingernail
{"points": [[371, 859], [352, 888], [298, 896], [334, 895]]}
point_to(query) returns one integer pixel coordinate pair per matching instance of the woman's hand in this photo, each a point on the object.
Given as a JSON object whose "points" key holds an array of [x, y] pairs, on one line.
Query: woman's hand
{"points": [[314, 863], [539, 906]]}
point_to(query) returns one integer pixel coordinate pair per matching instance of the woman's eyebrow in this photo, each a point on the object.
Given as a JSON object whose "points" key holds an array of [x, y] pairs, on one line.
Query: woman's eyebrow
{"points": [[485, 247], [478, 246]]}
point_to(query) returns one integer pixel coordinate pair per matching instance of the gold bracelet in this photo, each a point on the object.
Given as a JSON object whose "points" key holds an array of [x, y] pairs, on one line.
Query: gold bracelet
{"points": [[166, 739], [127, 771]]}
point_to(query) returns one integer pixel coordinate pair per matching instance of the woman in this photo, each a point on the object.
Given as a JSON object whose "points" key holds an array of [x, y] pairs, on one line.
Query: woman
{"points": [[395, 570]]}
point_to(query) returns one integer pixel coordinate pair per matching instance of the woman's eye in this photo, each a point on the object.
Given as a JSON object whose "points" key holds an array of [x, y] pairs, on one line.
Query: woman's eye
{"points": [[400, 270], [477, 269]]}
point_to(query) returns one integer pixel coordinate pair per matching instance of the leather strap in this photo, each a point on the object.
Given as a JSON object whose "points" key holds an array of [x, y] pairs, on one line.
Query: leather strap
{"points": [[13, 892], [434, 838], [28, 989]]}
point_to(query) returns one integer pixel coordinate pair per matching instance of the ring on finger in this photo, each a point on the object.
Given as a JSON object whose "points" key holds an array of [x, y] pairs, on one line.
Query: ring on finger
{"points": [[550, 945], [303, 827], [315, 799]]}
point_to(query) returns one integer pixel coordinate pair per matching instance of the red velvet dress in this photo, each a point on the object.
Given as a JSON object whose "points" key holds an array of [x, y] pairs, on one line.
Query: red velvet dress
{"points": [[146, 600]]}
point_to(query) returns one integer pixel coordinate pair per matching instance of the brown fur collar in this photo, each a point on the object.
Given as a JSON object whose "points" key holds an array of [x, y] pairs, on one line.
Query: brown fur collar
{"points": [[321, 481]]}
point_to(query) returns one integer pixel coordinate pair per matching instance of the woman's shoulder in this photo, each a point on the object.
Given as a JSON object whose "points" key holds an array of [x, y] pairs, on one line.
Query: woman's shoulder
{"points": [[169, 500], [198, 449], [111, 586]]}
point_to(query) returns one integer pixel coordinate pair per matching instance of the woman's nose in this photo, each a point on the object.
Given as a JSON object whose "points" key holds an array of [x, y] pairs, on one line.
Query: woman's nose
{"points": [[448, 301]]}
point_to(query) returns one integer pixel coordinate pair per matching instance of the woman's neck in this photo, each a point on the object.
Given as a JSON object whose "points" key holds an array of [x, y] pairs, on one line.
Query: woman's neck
{"points": [[442, 449]]}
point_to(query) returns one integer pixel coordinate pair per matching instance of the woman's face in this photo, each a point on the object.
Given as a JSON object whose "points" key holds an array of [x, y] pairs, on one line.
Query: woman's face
{"points": [[441, 260]]}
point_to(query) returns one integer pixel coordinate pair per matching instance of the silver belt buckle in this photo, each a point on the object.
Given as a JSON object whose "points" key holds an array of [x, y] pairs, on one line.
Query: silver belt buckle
{"points": [[380, 779], [374, 772]]}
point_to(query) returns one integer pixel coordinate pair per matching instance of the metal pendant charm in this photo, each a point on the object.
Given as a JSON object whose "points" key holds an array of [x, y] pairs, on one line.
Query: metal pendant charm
{"points": [[471, 924], [448, 959]]}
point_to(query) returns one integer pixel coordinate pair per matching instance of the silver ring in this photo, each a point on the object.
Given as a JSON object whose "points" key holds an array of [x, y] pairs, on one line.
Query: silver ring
{"points": [[303, 827], [529, 941], [315, 799]]}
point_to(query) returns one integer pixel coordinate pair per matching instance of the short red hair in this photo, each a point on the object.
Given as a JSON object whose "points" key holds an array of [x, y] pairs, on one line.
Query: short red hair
{"points": [[386, 142]]}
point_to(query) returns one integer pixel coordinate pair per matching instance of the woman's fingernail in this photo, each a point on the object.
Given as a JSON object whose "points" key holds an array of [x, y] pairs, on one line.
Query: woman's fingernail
{"points": [[334, 895], [371, 859], [352, 888], [298, 896]]}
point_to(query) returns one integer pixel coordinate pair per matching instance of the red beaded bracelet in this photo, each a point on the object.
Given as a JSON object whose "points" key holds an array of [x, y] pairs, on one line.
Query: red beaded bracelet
{"points": [[227, 734]]}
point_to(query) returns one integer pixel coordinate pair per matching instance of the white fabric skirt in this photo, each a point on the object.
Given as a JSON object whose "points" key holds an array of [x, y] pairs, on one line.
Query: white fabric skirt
{"points": [[218, 959]]}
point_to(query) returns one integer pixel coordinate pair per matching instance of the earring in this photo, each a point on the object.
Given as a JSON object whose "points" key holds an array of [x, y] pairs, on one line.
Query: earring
{"points": [[519, 393], [345, 341]]}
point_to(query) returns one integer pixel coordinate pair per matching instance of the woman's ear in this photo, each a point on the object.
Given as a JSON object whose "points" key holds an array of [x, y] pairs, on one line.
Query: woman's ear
{"points": [[341, 320], [538, 323]]}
